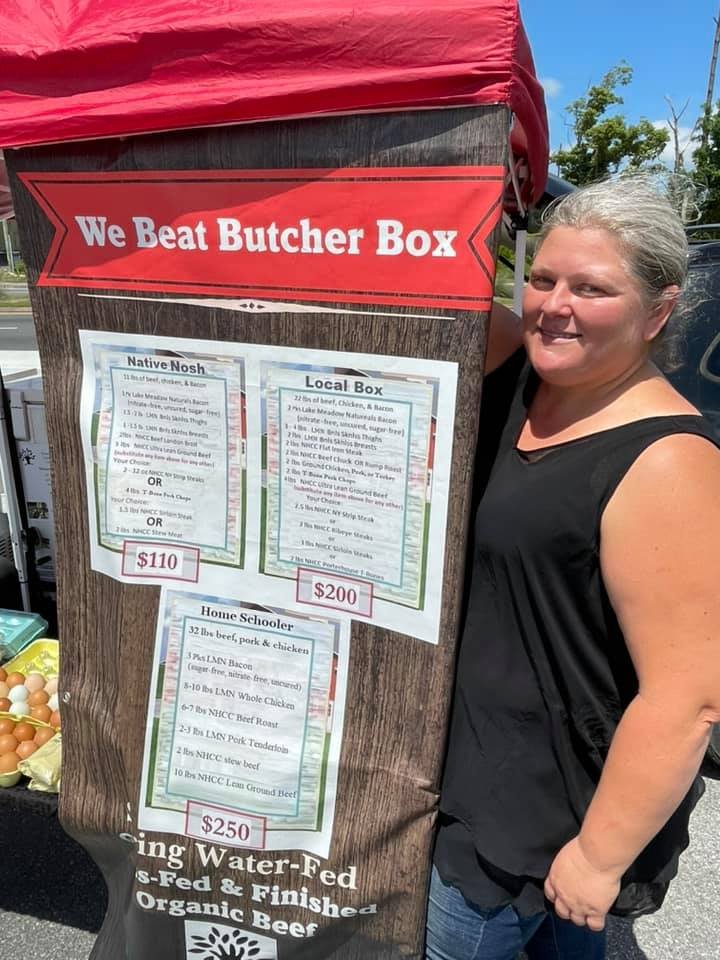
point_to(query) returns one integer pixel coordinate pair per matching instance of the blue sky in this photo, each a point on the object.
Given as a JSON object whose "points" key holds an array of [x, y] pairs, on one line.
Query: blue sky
{"points": [[668, 45]]}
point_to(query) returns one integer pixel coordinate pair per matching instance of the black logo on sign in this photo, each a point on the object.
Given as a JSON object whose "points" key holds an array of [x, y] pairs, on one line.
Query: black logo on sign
{"points": [[217, 946]]}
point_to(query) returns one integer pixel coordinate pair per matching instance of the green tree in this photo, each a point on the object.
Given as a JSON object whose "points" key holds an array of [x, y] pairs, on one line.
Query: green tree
{"points": [[707, 164], [604, 144]]}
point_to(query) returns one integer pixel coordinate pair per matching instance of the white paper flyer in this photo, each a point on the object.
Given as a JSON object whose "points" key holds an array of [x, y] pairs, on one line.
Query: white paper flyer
{"points": [[304, 477], [244, 724]]}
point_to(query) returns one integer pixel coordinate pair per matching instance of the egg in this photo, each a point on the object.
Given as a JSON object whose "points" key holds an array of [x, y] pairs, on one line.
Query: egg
{"points": [[5, 704], [41, 713], [17, 693], [3, 674], [8, 743], [23, 731], [19, 709], [6, 725], [34, 681], [8, 762], [26, 749], [55, 718], [4, 688], [53, 702], [14, 679], [37, 698], [43, 735], [51, 686]]}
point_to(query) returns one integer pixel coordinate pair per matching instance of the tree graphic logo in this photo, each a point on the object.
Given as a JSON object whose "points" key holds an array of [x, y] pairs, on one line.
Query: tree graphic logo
{"points": [[218, 941]]}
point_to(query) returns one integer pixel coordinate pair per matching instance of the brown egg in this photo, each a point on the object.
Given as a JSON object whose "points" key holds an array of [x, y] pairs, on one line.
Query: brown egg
{"points": [[3, 674], [8, 743], [14, 679], [23, 731], [34, 681], [5, 704], [55, 718], [6, 725], [42, 712], [8, 762], [43, 735], [38, 698], [26, 749]]}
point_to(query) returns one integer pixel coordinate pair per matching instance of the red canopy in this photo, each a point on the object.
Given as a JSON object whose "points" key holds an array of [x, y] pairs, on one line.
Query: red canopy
{"points": [[82, 69]]}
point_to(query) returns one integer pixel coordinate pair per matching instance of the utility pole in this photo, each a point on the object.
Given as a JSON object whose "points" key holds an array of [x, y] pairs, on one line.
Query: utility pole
{"points": [[8, 247], [711, 81]]}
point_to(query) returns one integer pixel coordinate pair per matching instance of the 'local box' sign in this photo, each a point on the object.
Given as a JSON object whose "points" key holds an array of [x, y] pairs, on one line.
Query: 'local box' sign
{"points": [[398, 236]]}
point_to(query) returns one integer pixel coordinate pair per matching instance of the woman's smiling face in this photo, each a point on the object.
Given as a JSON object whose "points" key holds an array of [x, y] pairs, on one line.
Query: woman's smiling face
{"points": [[584, 316]]}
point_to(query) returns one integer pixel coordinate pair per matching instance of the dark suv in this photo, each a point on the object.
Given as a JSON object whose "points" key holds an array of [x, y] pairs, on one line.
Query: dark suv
{"points": [[689, 354]]}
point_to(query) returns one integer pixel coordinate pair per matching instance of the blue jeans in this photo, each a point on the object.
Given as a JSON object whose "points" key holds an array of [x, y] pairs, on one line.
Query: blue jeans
{"points": [[459, 930]]}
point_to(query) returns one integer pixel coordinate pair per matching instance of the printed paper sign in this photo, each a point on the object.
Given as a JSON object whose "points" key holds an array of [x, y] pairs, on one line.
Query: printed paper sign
{"points": [[349, 461], [245, 722], [167, 435], [315, 479], [413, 236]]}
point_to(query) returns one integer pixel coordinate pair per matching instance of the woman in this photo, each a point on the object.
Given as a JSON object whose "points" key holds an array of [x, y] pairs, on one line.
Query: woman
{"points": [[589, 672]]}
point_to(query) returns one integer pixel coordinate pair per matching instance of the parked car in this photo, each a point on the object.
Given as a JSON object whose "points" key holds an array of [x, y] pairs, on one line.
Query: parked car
{"points": [[689, 354]]}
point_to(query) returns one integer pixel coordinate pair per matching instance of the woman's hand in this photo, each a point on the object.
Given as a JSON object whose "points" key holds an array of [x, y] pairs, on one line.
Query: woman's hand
{"points": [[580, 891]]}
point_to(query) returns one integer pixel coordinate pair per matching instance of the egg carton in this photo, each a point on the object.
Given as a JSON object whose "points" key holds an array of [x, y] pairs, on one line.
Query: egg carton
{"points": [[40, 656], [12, 777], [17, 630]]}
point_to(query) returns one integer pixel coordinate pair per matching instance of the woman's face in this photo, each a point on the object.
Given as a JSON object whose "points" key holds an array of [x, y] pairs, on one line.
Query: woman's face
{"points": [[585, 321]]}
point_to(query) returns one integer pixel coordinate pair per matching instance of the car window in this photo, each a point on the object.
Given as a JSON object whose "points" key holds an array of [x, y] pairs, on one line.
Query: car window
{"points": [[689, 353]]}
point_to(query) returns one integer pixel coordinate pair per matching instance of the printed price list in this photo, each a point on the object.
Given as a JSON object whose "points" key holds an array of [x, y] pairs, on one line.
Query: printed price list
{"points": [[241, 705]]}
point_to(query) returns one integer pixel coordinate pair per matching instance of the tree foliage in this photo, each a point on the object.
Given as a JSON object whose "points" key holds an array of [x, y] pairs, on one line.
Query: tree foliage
{"points": [[603, 144], [707, 164]]}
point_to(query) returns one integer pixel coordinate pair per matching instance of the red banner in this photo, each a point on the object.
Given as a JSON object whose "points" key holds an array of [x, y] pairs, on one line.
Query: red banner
{"points": [[411, 236]]}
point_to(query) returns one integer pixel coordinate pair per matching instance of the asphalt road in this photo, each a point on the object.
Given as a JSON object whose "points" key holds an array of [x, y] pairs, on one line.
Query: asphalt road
{"points": [[688, 925], [17, 332], [52, 898], [18, 346]]}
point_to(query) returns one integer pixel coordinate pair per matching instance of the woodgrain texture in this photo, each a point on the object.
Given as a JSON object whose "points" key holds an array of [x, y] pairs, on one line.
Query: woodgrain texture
{"points": [[398, 688]]}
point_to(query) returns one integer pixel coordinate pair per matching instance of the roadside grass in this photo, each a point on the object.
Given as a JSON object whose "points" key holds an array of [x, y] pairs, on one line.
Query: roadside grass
{"points": [[14, 303], [7, 276], [13, 299]]}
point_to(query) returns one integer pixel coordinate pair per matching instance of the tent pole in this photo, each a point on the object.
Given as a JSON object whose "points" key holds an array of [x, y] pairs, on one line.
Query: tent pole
{"points": [[519, 284], [8, 247], [12, 507]]}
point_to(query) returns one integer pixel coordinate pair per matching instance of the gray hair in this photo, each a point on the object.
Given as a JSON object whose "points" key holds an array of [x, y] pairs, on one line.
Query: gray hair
{"points": [[649, 232]]}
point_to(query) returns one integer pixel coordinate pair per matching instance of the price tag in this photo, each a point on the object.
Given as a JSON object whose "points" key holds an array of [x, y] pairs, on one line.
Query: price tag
{"points": [[232, 829], [338, 593], [160, 561]]}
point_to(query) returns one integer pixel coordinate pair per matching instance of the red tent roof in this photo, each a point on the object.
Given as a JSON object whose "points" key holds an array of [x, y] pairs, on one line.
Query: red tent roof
{"points": [[82, 69]]}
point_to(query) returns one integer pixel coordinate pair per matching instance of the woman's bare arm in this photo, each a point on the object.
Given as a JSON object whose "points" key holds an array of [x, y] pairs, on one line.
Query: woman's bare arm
{"points": [[504, 338], [659, 550]]}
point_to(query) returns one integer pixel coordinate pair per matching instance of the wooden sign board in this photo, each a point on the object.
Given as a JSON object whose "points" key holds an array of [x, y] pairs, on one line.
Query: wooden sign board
{"points": [[263, 351]]}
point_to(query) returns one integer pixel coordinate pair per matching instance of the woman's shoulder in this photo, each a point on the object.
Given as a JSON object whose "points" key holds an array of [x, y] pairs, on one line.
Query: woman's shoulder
{"points": [[663, 399], [649, 403], [677, 466]]}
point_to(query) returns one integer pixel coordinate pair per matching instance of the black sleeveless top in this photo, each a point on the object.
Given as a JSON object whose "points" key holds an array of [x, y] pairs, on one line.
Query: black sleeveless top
{"points": [[544, 674]]}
